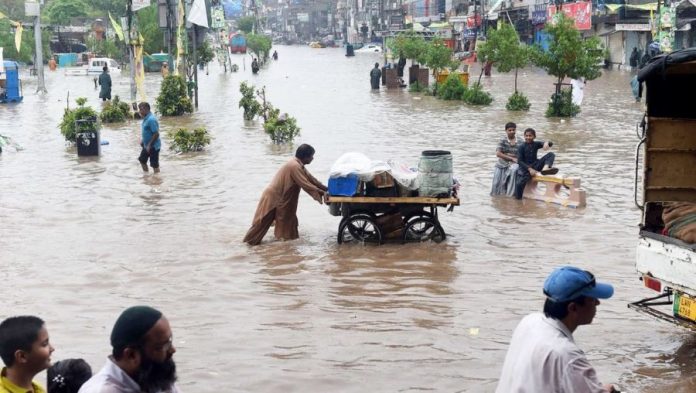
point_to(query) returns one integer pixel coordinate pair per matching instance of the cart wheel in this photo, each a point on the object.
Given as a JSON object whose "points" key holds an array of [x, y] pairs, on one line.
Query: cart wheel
{"points": [[359, 228], [413, 215], [421, 229]]}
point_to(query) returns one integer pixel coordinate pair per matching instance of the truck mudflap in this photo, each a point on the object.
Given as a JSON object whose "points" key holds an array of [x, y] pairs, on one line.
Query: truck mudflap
{"points": [[667, 298]]}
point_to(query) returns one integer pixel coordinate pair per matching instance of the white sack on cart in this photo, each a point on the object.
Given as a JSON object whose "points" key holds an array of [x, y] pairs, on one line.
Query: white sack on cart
{"points": [[404, 174], [358, 164]]}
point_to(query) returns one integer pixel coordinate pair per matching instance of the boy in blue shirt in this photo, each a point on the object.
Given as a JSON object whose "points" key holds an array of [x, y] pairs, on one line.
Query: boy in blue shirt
{"points": [[150, 140], [26, 351]]}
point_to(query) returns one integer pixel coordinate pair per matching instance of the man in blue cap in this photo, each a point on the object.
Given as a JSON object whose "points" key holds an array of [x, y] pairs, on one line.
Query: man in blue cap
{"points": [[543, 356]]}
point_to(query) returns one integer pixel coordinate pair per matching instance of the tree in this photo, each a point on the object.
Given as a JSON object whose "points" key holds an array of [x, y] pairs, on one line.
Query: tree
{"points": [[148, 26], [508, 53], [439, 56], [569, 55], [60, 12], [26, 53], [260, 45], [13, 9], [410, 45], [246, 24], [505, 50]]}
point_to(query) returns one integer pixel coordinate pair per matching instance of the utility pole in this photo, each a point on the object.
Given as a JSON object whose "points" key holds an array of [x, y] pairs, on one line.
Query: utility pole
{"points": [[131, 49], [34, 9], [195, 67]]}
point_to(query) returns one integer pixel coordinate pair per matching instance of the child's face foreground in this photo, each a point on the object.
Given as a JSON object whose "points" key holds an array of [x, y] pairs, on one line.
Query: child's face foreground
{"points": [[529, 137], [39, 358]]}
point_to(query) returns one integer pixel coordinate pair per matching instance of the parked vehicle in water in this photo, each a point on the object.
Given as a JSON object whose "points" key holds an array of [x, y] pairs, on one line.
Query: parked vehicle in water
{"points": [[10, 84], [153, 62], [96, 65], [666, 252], [370, 48], [238, 43]]}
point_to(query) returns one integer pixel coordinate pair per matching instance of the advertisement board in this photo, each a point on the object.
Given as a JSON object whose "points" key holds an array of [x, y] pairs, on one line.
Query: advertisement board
{"points": [[581, 12]]}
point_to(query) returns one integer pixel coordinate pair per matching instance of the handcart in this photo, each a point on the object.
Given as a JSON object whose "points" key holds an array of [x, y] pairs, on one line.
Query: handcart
{"points": [[376, 219]]}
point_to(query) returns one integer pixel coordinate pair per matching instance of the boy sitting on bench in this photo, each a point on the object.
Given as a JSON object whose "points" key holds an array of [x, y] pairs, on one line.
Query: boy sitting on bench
{"points": [[528, 163]]}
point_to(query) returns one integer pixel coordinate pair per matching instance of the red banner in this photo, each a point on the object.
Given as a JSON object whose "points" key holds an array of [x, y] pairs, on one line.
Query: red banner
{"points": [[581, 12]]}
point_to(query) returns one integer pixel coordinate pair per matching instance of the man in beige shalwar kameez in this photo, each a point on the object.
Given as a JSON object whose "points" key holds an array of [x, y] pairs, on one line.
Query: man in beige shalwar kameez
{"points": [[279, 200]]}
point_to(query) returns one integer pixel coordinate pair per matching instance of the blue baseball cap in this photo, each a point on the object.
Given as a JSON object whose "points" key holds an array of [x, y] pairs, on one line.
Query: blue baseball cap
{"points": [[568, 282]]}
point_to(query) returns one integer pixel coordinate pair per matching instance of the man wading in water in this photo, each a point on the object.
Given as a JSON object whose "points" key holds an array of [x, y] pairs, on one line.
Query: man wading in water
{"points": [[375, 76], [279, 200]]}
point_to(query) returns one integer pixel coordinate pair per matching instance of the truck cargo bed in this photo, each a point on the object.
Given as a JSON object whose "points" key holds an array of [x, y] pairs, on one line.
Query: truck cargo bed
{"points": [[667, 259]]}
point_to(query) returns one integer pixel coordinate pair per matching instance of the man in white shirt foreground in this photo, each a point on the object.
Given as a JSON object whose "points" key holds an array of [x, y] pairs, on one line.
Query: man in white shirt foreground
{"points": [[141, 360], [543, 356]]}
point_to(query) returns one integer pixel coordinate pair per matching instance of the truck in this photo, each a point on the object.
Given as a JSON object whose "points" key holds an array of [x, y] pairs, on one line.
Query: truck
{"points": [[667, 134]]}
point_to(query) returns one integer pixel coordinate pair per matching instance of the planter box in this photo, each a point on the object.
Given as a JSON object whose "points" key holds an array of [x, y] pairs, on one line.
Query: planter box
{"points": [[463, 77], [423, 76], [413, 74], [392, 78]]}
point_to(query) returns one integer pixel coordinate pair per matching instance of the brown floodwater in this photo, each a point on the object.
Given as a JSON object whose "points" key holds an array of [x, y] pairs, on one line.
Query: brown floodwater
{"points": [[83, 238]]}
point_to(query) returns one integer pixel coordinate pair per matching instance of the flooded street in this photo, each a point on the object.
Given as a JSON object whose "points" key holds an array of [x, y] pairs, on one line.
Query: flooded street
{"points": [[83, 238]]}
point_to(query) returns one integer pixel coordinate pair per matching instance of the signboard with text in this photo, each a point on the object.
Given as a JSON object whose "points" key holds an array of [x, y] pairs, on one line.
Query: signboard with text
{"points": [[581, 12]]}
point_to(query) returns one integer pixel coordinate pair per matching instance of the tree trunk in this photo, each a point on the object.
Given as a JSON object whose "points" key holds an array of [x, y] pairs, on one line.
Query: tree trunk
{"points": [[515, 80], [480, 75]]}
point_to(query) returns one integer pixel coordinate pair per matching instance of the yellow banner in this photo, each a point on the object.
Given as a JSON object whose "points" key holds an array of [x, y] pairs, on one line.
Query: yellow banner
{"points": [[140, 74], [18, 36], [117, 27], [180, 68]]}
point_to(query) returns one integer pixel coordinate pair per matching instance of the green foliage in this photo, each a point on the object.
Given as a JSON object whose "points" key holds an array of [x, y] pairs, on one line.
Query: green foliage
{"points": [[148, 26], [173, 100], [260, 45], [476, 96], [104, 48], [100, 8], [410, 45], [246, 24], [184, 141], [60, 12], [561, 105], [252, 108], [281, 129], [569, 55], [416, 87], [68, 127], [26, 53], [518, 102], [13, 9], [439, 56], [505, 50], [115, 111], [205, 53], [452, 88]]}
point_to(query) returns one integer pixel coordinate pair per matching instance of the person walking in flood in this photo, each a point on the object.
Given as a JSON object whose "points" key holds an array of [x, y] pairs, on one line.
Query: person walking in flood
{"points": [[150, 140], [528, 163], [505, 172], [543, 356], [254, 66], [279, 200], [375, 77], [105, 83], [52, 65]]}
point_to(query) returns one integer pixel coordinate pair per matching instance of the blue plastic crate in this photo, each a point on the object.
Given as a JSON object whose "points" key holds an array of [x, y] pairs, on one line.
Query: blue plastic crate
{"points": [[344, 186]]}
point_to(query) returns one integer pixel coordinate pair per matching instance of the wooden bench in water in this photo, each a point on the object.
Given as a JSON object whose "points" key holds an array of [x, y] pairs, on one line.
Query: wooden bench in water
{"points": [[572, 196]]}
